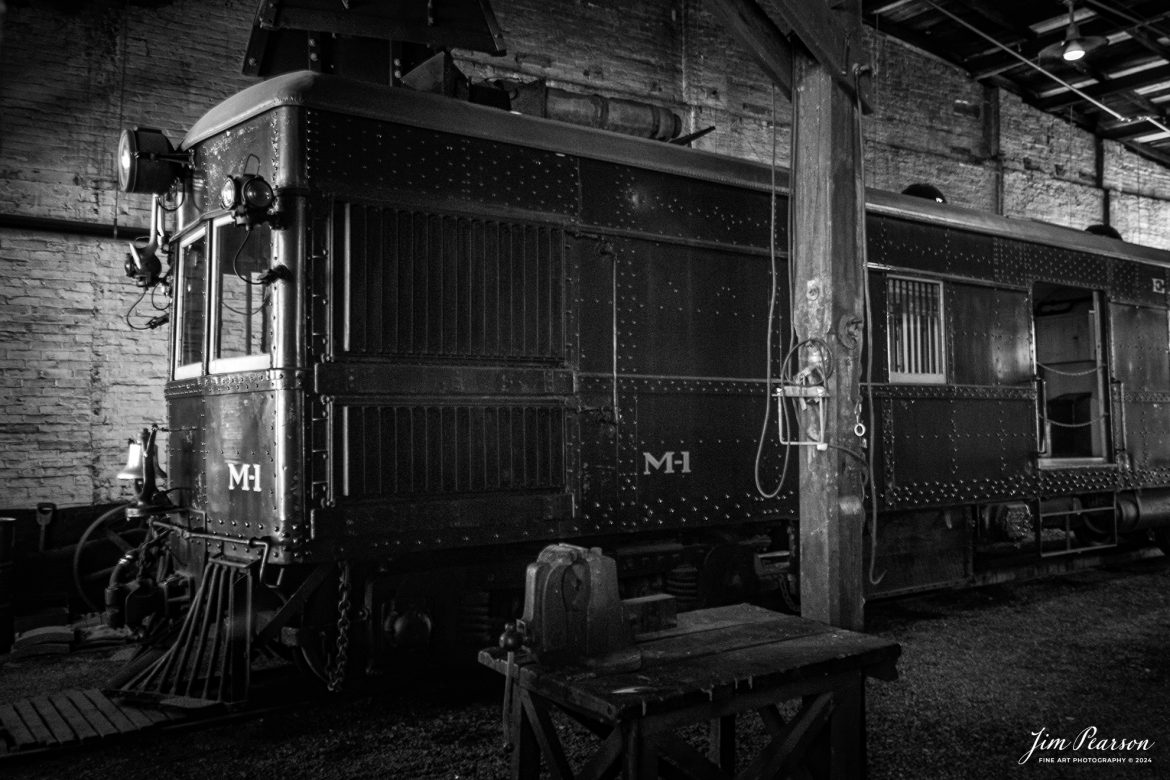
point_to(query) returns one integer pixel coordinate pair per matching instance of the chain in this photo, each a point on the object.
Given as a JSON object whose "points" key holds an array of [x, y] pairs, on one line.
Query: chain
{"points": [[336, 670], [1085, 372]]}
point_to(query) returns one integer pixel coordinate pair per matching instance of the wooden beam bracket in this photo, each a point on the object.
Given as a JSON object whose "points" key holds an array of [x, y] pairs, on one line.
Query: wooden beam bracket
{"points": [[831, 44], [814, 27]]}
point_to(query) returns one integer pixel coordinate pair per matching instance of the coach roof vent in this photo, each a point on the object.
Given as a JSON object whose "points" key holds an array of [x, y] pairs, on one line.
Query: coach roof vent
{"points": [[1104, 230], [927, 191]]}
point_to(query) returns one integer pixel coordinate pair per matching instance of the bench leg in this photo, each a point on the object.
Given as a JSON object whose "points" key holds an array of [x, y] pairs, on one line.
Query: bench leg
{"points": [[639, 756], [525, 749], [721, 743], [847, 733]]}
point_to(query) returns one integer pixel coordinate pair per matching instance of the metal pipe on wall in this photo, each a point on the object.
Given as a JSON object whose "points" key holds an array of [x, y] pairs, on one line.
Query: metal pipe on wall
{"points": [[70, 226]]}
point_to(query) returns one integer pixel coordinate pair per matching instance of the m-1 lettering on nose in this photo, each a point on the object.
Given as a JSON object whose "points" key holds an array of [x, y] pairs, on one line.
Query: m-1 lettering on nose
{"points": [[244, 476], [669, 462]]}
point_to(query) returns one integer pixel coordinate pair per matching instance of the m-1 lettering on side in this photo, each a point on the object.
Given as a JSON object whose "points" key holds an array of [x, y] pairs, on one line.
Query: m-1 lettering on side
{"points": [[669, 463], [244, 476]]}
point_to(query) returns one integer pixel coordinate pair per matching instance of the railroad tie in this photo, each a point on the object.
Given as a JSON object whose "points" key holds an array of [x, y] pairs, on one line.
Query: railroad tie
{"points": [[69, 717]]}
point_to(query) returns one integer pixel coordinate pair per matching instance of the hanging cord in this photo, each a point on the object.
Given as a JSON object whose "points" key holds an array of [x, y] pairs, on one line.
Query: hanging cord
{"points": [[266, 278], [771, 318], [236, 270], [180, 199], [130, 313], [236, 258], [873, 519], [825, 370], [863, 246], [154, 304]]}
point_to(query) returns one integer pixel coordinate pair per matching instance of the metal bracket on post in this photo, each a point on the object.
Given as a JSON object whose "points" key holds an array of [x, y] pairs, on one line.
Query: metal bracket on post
{"points": [[807, 394]]}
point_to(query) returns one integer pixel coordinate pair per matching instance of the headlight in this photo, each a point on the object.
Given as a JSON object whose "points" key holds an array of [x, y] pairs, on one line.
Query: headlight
{"points": [[147, 163], [256, 192], [249, 198], [227, 194]]}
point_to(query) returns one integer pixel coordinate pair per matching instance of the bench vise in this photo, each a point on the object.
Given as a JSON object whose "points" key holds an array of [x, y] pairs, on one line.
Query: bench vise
{"points": [[572, 612]]}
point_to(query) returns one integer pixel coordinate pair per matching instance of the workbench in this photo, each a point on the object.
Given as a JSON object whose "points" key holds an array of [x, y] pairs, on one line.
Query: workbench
{"points": [[715, 665]]}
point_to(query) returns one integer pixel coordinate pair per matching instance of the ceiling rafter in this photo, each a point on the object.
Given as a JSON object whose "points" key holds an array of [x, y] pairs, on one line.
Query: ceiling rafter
{"points": [[999, 42], [1108, 87]]}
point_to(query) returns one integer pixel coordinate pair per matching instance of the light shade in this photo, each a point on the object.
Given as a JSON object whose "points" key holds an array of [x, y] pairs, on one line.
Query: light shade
{"points": [[1075, 46], [146, 161], [1073, 50]]}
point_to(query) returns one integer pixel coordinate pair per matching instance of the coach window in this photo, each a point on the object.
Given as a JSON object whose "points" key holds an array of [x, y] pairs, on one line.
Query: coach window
{"points": [[914, 324], [242, 328], [192, 314]]}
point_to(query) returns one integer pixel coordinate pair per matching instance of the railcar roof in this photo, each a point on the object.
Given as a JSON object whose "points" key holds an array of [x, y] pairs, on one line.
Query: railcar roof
{"points": [[435, 112]]}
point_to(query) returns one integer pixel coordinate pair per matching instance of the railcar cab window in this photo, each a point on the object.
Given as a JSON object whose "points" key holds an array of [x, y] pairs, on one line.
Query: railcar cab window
{"points": [[914, 328], [191, 327], [243, 325], [225, 314], [1072, 406]]}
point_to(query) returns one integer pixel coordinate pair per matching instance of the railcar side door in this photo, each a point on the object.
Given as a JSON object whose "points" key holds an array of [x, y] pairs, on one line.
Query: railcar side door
{"points": [[1073, 386], [1140, 369]]}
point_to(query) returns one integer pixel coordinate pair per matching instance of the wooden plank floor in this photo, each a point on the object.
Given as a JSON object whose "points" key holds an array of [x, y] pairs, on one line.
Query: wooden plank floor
{"points": [[72, 717]]}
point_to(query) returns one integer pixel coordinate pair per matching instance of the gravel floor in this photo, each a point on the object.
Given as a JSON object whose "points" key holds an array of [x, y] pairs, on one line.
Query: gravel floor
{"points": [[981, 670]]}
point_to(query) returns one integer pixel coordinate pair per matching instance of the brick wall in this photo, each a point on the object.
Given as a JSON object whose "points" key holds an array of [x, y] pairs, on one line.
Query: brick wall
{"points": [[75, 381]]}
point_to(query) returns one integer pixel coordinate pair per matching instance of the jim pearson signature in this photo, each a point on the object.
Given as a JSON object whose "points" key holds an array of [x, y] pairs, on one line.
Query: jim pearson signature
{"points": [[1085, 740]]}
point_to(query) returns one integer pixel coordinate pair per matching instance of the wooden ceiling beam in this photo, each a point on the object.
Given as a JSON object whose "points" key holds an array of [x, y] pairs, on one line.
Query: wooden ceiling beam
{"points": [[1106, 88], [767, 43], [1149, 152], [1134, 31], [1159, 156], [815, 25], [872, 7], [1086, 106], [993, 63], [1018, 33], [901, 32], [1117, 130]]}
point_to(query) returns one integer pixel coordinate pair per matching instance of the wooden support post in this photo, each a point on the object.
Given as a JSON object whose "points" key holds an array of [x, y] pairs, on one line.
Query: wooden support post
{"points": [[827, 208]]}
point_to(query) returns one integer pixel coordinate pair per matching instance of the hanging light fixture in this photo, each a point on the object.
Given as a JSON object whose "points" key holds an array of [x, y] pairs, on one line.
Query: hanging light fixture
{"points": [[1074, 46]]}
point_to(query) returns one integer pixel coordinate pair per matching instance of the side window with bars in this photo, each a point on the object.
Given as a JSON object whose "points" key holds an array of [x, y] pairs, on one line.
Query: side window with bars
{"points": [[914, 324]]}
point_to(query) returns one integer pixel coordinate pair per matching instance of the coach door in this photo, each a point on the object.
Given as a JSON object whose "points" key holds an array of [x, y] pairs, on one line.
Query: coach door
{"points": [[1072, 380]]}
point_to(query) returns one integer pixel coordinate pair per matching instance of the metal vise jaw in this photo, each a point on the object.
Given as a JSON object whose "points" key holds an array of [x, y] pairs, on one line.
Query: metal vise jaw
{"points": [[572, 611]]}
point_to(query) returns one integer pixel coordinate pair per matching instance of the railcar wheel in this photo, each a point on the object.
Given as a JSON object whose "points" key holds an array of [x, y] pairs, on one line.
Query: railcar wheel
{"points": [[728, 575], [318, 647], [98, 551], [1085, 537], [1162, 539]]}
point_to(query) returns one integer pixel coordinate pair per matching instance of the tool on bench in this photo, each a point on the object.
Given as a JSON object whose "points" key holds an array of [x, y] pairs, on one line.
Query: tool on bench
{"points": [[573, 616]]}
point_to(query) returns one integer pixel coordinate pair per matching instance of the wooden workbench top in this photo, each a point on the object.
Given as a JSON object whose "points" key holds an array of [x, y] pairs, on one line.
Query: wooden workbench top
{"points": [[711, 654]]}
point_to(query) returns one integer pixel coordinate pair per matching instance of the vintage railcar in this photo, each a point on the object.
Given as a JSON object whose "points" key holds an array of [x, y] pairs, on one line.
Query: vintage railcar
{"points": [[415, 339]]}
